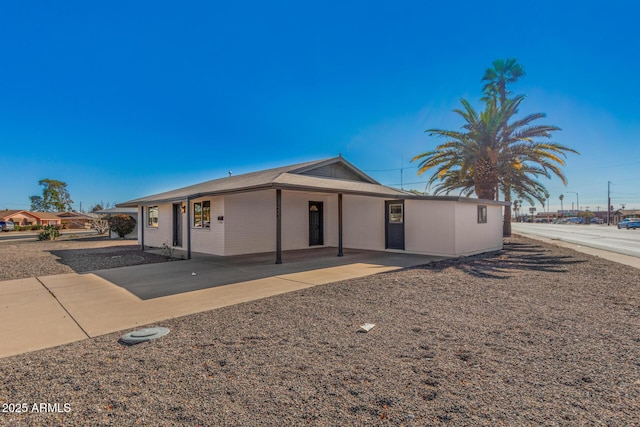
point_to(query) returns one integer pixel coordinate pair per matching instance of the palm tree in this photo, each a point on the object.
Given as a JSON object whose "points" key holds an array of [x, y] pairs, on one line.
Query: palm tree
{"points": [[467, 161], [503, 72], [561, 197], [516, 207], [494, 151]]}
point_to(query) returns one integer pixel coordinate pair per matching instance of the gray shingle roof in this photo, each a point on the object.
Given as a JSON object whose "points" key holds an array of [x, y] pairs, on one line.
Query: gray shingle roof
{"points": [[285, 177]]}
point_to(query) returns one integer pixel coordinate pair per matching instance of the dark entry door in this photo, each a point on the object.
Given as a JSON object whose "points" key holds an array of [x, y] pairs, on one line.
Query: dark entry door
{"points": [[177, 225], [394, 224], [316, 236]]}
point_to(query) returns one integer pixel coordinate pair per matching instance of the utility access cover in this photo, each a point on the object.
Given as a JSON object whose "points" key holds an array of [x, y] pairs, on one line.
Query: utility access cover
{"points": [[143, 335]]}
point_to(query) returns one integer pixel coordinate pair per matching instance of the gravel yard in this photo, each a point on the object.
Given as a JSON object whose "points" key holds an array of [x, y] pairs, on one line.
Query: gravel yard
{"points": [[22, 259], [532, 335]]}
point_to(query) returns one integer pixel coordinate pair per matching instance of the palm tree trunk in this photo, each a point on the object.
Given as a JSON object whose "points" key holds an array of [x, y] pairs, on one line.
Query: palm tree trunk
{"points": [[506, 223]]}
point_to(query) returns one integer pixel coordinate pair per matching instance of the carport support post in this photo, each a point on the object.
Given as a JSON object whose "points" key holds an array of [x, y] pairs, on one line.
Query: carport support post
{"points": [[278, 226], [188, 211], [340, 224], [142, 225]]}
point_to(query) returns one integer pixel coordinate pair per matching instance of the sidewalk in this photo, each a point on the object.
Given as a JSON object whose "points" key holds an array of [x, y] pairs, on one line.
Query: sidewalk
{"points": [[48, 311]]}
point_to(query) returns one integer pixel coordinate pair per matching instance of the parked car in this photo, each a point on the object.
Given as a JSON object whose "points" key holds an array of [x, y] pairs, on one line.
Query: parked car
{"points": [[627, 223], [631, 223], [597, 221], [573, 220], [6, 226]]}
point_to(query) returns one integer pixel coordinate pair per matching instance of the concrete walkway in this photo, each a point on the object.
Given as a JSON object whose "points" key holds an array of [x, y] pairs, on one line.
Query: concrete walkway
{"points": [[48, 311]]}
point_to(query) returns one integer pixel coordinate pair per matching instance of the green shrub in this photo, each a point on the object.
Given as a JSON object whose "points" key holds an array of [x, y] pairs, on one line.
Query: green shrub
{"points": [[50, 232], [122, 224]]}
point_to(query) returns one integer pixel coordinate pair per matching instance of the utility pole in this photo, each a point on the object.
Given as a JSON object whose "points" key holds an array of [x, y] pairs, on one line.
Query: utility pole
{"points": [[577, 199], [609, 202]]}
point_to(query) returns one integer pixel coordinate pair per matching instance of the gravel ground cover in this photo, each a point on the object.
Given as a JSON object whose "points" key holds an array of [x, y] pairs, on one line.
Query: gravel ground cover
{"points": [[531, 335], [23, 259]]}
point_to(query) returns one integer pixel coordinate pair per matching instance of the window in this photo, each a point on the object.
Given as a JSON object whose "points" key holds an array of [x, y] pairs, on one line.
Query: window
{"points": [[395, 214], [482, 214], [202, 214], [152, 216]]}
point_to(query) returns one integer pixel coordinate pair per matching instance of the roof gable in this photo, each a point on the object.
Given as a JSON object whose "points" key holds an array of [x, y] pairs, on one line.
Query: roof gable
{"points": [[336, 168], [7, 213]]}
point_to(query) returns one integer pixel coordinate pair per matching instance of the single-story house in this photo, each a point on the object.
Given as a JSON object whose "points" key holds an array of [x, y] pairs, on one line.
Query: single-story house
{"points": [[18, 217], [132, 212], [75, 220], [314, 204], [47, 218]]}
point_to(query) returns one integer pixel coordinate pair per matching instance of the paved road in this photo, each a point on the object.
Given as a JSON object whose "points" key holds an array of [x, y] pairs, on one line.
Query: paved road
{"points": [[607, 238]]}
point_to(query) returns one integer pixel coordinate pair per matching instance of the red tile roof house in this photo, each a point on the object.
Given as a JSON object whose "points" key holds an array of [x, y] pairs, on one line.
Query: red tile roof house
{"points": [[47, 218], [324, 203], [18, 217]]}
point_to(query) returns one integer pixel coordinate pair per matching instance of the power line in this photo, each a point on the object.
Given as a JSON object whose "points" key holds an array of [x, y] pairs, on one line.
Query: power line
{"points": [[390, 170]]}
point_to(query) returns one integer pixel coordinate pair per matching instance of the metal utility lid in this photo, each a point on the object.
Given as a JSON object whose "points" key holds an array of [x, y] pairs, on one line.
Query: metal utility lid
{"points": [[143, 335]]}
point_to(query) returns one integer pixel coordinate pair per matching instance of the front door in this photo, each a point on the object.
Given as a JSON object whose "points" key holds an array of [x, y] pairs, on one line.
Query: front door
{"points": [[316, 236], [177, 225], [394, 224]]}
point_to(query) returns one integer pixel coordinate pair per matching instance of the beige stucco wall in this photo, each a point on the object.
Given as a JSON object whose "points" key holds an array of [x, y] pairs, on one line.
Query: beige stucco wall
{"points": [[433, 227], [363, 224], [250, 222], [471, 237], [157, 236], [450, 228], [429, 227], [207, 240], [295, 219]]}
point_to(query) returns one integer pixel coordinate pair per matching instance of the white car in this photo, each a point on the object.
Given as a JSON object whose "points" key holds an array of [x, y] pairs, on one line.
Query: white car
{"points": [[6, 226]]}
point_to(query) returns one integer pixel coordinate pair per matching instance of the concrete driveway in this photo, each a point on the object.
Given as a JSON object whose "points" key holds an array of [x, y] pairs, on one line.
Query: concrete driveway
{"points": [[165, 279], [48, 311]]}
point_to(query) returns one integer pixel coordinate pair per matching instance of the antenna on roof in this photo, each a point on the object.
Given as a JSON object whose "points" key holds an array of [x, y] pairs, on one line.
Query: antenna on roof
{"points": [[339, 154], [230, 173]]}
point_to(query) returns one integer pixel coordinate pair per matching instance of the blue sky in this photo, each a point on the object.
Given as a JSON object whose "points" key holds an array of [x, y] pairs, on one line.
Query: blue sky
{"points": [[126, 99]]}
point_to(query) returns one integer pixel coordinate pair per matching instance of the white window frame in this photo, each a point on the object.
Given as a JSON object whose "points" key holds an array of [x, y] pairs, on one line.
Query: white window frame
{"points": [[396, 217], [150, 218], [201, 207]]}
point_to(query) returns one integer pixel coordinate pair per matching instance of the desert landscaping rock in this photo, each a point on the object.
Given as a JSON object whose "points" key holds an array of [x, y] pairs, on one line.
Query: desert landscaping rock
{"points": [[532, 335], [68, 255]]}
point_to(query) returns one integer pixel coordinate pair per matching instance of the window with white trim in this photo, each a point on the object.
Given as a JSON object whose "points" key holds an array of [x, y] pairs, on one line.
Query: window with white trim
{"points": [[396, 214], [202, 214], [152, 216]]}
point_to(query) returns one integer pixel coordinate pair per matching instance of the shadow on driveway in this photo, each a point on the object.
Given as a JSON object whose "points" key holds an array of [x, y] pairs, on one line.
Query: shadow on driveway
{"points": [[170, 278]]}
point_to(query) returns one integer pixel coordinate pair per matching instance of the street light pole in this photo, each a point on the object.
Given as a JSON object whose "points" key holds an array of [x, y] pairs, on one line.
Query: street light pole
{"points": [[577, 200], [609, 202]]}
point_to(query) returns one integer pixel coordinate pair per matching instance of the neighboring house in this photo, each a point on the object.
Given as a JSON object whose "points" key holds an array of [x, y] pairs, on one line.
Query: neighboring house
{"points": [[18, 217], [70, 220], [75, 220], [132, 212], [47, 218], [315, 204]]}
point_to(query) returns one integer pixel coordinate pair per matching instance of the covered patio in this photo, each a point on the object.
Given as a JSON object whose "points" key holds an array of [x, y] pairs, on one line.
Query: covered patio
{"points": [[312, 266]]}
